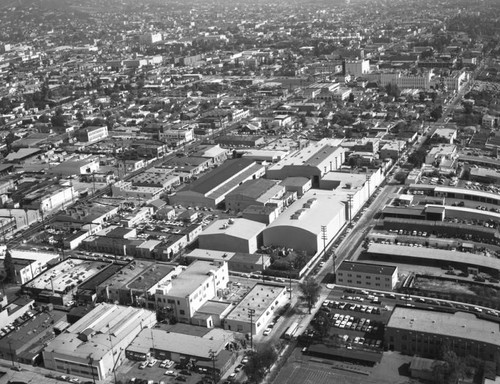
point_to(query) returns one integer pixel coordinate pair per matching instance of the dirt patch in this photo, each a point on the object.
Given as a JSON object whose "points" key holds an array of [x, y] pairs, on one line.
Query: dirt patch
{"points": [[429, 284]]}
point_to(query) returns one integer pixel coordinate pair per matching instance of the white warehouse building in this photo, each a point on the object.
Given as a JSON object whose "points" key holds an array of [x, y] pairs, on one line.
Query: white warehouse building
{"points": [[300, 226]]}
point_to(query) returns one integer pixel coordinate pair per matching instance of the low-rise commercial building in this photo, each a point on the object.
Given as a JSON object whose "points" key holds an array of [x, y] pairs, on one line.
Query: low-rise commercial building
{"points": [[29, 264], [367, 275], [136, 283], [206, 349], [95, 345], [256, 309], [183, 295]]}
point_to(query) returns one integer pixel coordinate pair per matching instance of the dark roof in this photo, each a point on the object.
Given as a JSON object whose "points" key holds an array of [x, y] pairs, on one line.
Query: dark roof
{"points": [[407, 211], [295, 181], [186, 161], [344, 353], [375, 269], [119, 232], [220, 174], [253, 188], [101, 277]]}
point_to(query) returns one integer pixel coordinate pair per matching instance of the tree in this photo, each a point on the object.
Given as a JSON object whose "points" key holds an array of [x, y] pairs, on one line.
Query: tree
{"points": [[10, 270], [58, 120], [258, 363], [310, 290], [437, 112], [351, 97], [400, 177], [468, 108], [392, 90]]}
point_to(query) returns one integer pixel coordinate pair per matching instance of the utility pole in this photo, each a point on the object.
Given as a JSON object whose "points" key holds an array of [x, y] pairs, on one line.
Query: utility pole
{"points": [[262, 264], [212, 357], [11, 354], [368, 181], [334, 267], [349, 204], [251, 312], [324, 236], [112, 354], [290, 286]]}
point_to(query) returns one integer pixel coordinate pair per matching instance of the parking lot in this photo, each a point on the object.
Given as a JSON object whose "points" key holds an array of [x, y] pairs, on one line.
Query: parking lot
{"points": [[354, 322], [131, 372]]}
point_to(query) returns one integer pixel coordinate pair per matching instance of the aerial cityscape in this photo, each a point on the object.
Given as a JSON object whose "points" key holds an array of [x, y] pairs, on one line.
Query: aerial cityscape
{"points": [[276, 192]]}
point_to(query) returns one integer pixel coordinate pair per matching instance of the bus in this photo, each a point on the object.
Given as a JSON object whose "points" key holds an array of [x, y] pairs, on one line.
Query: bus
{"points": [[292, 329]]}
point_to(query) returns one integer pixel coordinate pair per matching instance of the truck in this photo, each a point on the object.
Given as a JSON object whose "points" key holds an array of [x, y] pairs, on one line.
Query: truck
{"points": [[292, 329]]}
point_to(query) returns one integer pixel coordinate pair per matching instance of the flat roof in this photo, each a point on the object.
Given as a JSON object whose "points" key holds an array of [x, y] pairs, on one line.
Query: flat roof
{"points": [[324, 208], [465, 191], [209, 254], [42, 257], [182, 344], [399, 251], [214, 307], [29, 331], [459, 324], [209, 151], [105, 273], [104, 321], [240, 228], [195, 275], [313, 155], [374, 269], [222, 173], [141, 275], [297, 181], [68, 272], [353, 180], [260, 298], [254, 188]]}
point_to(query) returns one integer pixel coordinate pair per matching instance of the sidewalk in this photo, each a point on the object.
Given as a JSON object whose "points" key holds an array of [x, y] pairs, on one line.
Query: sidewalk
{"points": [[304, 320]]}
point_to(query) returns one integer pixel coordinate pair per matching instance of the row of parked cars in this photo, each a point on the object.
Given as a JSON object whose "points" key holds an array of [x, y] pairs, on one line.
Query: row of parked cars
{"points": [[12, 326], [152, 362], [354, 323], [369, 309]]}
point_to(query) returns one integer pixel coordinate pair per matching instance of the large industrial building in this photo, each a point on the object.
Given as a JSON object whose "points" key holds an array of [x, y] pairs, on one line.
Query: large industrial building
{"points": [[304, 223], [422, 332], [233, 235], [94, 346], [256, 192], [211, 189], [312, 162]]}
